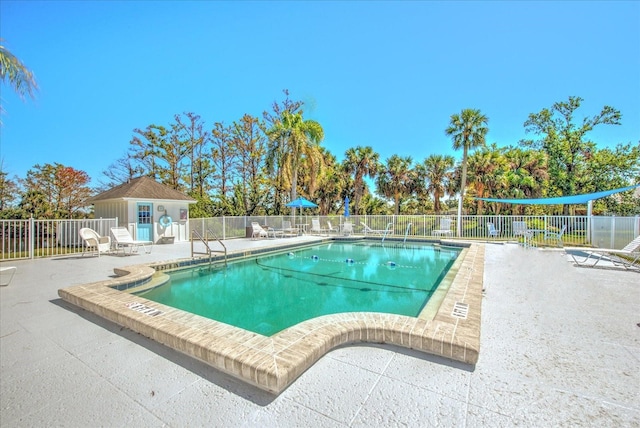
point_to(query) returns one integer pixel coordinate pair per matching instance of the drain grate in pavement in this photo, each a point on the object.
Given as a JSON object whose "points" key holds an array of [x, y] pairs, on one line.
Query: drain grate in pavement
{"points": [[460, 310]]}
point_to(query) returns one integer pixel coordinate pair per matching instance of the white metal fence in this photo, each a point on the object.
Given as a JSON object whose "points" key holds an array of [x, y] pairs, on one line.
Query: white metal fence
{"points": [[608, 232], [28, 239], [21, 239]]}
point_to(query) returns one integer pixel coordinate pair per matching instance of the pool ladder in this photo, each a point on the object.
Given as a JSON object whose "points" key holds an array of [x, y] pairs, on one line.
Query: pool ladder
{"points": [[406, 233], [387, 231], [209, 236]]}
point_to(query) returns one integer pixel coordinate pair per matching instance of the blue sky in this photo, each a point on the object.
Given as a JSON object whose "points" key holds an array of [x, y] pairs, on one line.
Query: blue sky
{"points": [[384, 74]]}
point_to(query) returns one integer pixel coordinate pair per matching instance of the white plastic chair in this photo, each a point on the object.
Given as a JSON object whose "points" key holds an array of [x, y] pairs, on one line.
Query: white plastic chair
{"points": [[347, 228], [6, 275], [94, 242], [315, 227], [445, 227], [519, 228]]}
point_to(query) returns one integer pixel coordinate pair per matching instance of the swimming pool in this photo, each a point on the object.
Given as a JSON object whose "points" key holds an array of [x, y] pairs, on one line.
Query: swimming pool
{"points": [[270, 293], [448, 326]]}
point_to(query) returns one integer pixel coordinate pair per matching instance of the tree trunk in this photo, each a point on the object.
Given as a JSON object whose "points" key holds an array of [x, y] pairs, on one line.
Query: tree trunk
{"points": [[463, 184]]}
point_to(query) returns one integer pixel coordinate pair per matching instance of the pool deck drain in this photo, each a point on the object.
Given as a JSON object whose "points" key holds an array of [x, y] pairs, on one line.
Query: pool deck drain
{"points": [[273, 363]]}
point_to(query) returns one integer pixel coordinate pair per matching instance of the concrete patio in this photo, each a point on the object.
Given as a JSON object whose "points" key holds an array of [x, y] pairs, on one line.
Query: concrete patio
{"points": [[560, 346]]}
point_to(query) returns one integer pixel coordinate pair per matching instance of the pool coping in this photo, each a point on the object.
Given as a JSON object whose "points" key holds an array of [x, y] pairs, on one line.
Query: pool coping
{"points": [[273, 363]]}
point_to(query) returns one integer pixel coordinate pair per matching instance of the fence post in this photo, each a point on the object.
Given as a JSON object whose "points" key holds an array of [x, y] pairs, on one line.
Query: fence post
{"points": [[589, 222], [30, 237], [613, 232], [424, 224], [459, 219]]}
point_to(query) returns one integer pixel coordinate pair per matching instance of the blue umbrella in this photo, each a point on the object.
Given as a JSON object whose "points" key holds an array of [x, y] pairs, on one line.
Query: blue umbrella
{"points": [[346, 206], [301, 203]]}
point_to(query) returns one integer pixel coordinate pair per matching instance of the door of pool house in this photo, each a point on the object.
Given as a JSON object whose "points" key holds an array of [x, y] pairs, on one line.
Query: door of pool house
{"points": [[145, 222]]}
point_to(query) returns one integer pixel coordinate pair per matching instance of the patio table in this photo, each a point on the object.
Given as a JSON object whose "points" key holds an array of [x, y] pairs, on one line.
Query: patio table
{"points": [[529, 235]]}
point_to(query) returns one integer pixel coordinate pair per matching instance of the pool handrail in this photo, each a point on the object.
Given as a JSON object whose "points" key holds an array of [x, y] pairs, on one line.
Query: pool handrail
{"points": [[205, 241]]}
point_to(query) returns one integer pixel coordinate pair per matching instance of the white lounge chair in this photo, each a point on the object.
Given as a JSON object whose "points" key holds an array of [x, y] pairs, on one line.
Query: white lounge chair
{"points": [[445, 227], [94, 242], [316, 228], [124, 240], [258, 231], [288, 229], [493, 232], [331, 229], [555, 237], [274, 233], [379, 232], [6, 275], [264, 232], [631, 250]]}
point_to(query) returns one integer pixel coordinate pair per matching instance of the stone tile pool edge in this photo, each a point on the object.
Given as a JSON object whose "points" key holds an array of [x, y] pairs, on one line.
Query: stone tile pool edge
{"points": [[448, 327]]}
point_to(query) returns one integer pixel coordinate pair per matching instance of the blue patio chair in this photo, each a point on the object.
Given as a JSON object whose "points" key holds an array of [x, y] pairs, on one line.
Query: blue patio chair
{"points": [[555, 237], [493, 232]]}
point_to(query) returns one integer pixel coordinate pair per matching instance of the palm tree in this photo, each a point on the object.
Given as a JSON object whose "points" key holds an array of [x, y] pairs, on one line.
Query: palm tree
{"points": [[375, 206], [437, 171], [292, 139], [16, 74], [532, 163], [361, 162], [487, 168], [330, 185], [396, 180], [527, 174], [468, 130]]}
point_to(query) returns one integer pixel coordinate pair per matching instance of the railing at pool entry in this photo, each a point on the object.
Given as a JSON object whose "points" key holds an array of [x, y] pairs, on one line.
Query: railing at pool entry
{"points": [[406, 233], [387, 230], [205, 241]]}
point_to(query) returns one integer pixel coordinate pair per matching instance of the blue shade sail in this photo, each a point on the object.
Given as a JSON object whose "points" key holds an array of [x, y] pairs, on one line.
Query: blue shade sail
{"points": [[561, 200]]}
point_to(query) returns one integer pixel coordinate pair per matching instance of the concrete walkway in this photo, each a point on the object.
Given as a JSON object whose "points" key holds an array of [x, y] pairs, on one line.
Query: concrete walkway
{"points": [[560, 347]]}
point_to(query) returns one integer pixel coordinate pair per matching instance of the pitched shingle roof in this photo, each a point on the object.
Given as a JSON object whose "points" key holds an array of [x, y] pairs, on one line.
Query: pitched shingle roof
{"points": [[141, 188]]}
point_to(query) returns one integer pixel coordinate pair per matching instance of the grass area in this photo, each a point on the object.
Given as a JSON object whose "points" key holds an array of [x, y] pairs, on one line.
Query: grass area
{"points": [[40, 252]]}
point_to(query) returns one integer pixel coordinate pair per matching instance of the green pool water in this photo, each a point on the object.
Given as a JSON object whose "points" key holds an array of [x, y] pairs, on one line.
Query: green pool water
{"points": [[269, 293]]}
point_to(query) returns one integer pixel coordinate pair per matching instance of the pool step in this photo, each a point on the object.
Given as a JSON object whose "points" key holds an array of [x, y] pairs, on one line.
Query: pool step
{"points": [[158, 279]]}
